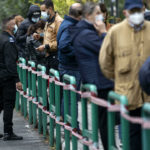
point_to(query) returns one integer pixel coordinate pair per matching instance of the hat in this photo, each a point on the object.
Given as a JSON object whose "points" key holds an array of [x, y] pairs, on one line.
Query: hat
{"points": [[36, 14], [130, 4], [34, 11]]}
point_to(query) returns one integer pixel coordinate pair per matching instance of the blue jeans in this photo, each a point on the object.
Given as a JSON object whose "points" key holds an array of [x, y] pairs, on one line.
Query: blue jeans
{"points": [[77, 76]]}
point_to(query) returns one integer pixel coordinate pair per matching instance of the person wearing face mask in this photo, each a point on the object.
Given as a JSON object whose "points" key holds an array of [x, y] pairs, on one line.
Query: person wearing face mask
{"points": [[9, 79], [34, 15], [50, 35], [123, 52], [43, 11], [87, 37]]}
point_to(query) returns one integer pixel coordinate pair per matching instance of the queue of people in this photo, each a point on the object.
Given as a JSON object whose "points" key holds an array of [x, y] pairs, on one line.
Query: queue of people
{"points": [[84, 45]]}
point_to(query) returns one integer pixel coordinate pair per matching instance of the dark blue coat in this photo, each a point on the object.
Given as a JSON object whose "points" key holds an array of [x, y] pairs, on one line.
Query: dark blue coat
{"points": [[87, 43], [66, 52], [144, 76]]}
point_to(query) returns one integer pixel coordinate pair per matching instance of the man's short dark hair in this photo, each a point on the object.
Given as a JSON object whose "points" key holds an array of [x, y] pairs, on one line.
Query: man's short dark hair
{"points": [[75, 12], [49, 3], [6, 21]]}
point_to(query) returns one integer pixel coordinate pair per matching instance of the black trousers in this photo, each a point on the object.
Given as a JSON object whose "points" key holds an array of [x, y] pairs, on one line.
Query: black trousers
{"points": [[102, 114], [51, 62], [135, 132], [7, 103]]}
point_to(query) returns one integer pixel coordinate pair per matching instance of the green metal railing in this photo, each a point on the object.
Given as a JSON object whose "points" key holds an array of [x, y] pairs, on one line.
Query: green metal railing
{"points": [[146, 132], [54, 108], [32, 93], [23, 79], [70, 114], [42, 99], [124, 123], [93, 134], [38, 97]]}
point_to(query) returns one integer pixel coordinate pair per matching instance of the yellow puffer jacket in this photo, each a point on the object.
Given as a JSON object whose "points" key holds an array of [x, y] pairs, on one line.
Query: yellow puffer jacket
{"points": [[50, 33], [122, 54]]}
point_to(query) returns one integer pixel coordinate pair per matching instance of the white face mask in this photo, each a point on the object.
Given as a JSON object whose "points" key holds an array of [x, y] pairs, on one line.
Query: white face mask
{"points": [[136, 18], [44, 15], [99, 17]]}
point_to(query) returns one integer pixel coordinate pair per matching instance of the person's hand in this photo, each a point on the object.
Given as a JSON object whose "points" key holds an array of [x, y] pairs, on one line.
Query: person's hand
{"points": [[100, 27], [36, 36], [41, 48], [19, 85]]}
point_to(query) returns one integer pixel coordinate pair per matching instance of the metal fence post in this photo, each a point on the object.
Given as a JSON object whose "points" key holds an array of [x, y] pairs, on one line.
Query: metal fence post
{"points": [[25, 90], [55, 108], [40, 99], [34, 95], [124, 123], [44, 98], [31, 64], [86, 133], [146, 131], [22, 74], [17, 103], [70, 114]]}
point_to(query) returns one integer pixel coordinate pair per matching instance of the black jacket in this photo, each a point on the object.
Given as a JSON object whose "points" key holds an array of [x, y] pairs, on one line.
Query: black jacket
{"points": [[8, 57], [35, 55], [87, 43], [22, 31]]}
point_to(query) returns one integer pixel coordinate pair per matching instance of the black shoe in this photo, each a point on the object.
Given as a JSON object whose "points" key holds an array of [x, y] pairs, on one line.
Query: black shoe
{"points": [[1, 135], [12, 136]]}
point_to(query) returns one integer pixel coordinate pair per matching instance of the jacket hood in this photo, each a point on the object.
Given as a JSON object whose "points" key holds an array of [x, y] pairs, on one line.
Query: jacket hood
{"points": [[80, 26], [34, 10]]}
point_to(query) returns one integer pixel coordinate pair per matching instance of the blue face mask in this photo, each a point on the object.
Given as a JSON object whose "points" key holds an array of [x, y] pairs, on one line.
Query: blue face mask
{"points": [[42, 34], [35, 20], [15, 29]]}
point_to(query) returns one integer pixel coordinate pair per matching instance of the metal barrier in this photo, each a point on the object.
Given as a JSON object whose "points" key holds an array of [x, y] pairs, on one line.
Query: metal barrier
{"points": [[93, 135], [32, 88], [42, 99], [111, 122], [146, 130], [22, 76], [70, 111], [54, 108], [39, 96]]}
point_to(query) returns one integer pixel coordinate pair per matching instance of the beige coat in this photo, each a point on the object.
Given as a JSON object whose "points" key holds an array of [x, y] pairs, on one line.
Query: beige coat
{"points": [[121, 56], [50, 33]]}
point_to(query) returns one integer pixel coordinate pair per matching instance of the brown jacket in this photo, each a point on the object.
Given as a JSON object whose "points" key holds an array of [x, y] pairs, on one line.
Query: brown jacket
{"points": [[121, 56], [50, 33]]}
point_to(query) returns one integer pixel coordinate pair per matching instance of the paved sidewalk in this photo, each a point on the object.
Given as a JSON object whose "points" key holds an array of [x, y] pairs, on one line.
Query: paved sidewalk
{"points": [[32, 140]]}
